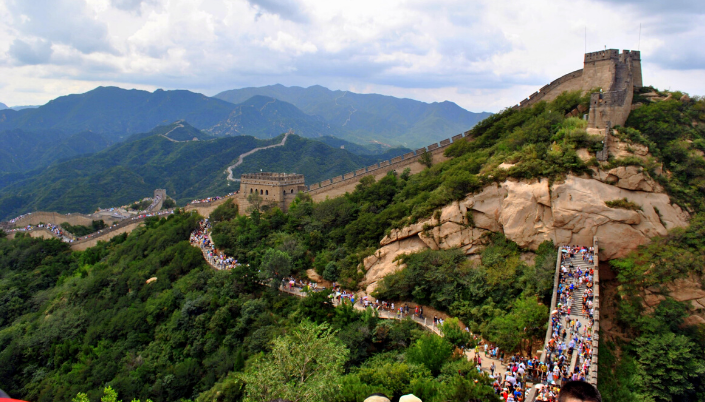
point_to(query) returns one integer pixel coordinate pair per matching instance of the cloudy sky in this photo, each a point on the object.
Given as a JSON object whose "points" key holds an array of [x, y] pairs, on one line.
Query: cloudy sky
{"points": [[483, 55]]}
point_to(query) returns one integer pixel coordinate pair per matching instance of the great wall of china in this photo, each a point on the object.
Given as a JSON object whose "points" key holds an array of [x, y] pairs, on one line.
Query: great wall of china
{"points": [[614, 72]]}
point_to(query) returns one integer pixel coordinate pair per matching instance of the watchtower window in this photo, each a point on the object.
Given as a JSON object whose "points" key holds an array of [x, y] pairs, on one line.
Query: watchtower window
{"points": [[292, 191], [266, 192], [250, 191], [261, 192]]}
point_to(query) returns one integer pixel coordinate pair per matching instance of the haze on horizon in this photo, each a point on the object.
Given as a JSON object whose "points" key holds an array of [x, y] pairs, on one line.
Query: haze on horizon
{"points": [[481, 55]]}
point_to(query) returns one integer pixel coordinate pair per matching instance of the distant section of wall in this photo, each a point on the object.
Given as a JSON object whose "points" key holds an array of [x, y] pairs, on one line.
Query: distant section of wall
{"points": [[35, 218], [612, 106], [206, 208], [36, 232], [339, 186], [126, 228]]}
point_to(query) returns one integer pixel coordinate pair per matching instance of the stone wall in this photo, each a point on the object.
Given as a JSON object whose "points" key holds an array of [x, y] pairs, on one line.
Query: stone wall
{"points": [[592, 378], [56, 218], [346, 183], [614, 72], [569, 82], [206, 208], [125, 228]]}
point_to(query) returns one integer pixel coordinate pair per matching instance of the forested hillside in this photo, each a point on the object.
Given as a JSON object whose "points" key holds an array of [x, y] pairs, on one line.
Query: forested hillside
{"points": [[188, 170], [83, 321], [539, 142], [86, 320], [23, 151]]}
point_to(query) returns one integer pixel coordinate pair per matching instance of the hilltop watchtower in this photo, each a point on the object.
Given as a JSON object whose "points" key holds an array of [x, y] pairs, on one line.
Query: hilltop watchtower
{"points": [[615, 73], [278, 189]]}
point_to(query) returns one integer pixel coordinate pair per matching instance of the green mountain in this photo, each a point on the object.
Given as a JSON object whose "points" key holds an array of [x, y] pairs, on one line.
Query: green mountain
{"points": [[371, 118], [266, 117], [187, 169], [117, 112], [22, 151]]}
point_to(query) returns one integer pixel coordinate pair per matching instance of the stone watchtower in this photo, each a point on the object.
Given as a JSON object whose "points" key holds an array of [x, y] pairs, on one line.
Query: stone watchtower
{"points": [[615, 73], [278, 189], [620, 73]]}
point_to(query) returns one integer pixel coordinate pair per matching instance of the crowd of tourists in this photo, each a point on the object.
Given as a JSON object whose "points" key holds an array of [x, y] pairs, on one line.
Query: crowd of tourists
{"points": [[571, 322], [19, 217], [571, 333], [201, 238], [55, 229]]}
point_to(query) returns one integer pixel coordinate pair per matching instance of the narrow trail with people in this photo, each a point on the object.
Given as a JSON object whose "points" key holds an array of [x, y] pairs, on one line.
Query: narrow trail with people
{"points": [[240, 159], [568, 353], [201, 238]]}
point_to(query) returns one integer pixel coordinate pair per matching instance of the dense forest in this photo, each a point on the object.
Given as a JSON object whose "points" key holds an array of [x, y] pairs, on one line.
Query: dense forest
{"points": [[76, 322]]}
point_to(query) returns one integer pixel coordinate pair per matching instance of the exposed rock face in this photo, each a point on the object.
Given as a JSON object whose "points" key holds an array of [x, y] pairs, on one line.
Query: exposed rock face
{"points": [[688, 290], [568, 212], [629, 178]]}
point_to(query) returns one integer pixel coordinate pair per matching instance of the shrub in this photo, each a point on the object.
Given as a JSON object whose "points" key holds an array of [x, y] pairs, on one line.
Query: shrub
{"points": [[623, 203]]}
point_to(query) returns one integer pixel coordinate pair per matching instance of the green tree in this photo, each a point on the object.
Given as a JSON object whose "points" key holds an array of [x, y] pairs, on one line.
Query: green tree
{"points": [[454, 333], [168, 203], [669, 366], [431, 351], [426, 159], [304, 365], [275, 266], [330, 273], [224, 212]]}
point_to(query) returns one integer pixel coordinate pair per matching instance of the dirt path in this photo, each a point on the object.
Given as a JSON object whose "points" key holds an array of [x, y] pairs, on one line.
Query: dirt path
{"points": [[240, 159]]}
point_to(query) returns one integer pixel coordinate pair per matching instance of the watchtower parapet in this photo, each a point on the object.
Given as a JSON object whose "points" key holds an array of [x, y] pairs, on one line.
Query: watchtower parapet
{"points": [[278, 189]]}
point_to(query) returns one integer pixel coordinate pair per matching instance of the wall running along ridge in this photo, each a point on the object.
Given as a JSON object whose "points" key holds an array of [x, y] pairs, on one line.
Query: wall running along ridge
{"points": [[616, 74]]}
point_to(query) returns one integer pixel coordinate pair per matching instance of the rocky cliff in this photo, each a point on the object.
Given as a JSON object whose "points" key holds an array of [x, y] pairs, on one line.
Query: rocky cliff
{"points": [[570, 211]]}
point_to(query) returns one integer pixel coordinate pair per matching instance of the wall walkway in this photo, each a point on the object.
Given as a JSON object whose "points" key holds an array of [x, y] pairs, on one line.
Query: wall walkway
{"points": [[588, 327]]}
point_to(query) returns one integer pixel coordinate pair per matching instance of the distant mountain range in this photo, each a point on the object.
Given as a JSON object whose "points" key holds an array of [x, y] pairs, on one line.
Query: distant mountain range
{"points": [[263, 112], [118, 113], [168, 157], [3, 106], [370, 117]]}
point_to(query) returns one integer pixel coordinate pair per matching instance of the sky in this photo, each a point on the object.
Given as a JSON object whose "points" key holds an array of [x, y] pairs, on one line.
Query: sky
{"points": [[482, 55]]}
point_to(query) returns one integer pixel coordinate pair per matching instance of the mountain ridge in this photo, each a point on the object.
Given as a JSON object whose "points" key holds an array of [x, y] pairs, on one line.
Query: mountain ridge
{"points": [[371, 117], [188, 169]]}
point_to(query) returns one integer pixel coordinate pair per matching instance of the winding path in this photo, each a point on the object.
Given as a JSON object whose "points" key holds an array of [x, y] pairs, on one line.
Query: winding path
{"points": [[240, 159], [299, 292]]}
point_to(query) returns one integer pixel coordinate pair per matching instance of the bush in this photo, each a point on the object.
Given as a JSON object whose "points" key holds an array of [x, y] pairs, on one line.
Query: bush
{"points": [[623, 203], [330, 273], [225, 212], [81, 230], [431, 351]]}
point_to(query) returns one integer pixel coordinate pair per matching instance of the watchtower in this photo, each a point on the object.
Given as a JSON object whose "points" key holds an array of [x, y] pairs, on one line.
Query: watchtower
{"points": [[278, 189]]}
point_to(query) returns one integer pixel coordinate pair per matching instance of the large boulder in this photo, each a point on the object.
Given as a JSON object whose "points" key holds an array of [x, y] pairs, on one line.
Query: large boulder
{"points": [[571, 211]]}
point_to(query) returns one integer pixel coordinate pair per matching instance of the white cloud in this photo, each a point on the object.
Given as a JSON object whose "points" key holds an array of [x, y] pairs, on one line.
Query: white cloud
{"points": [[483, 54]]}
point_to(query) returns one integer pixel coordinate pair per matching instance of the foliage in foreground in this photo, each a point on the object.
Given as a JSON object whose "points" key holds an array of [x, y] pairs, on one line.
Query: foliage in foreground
{"points": [[76, 322], [663, 360]]}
